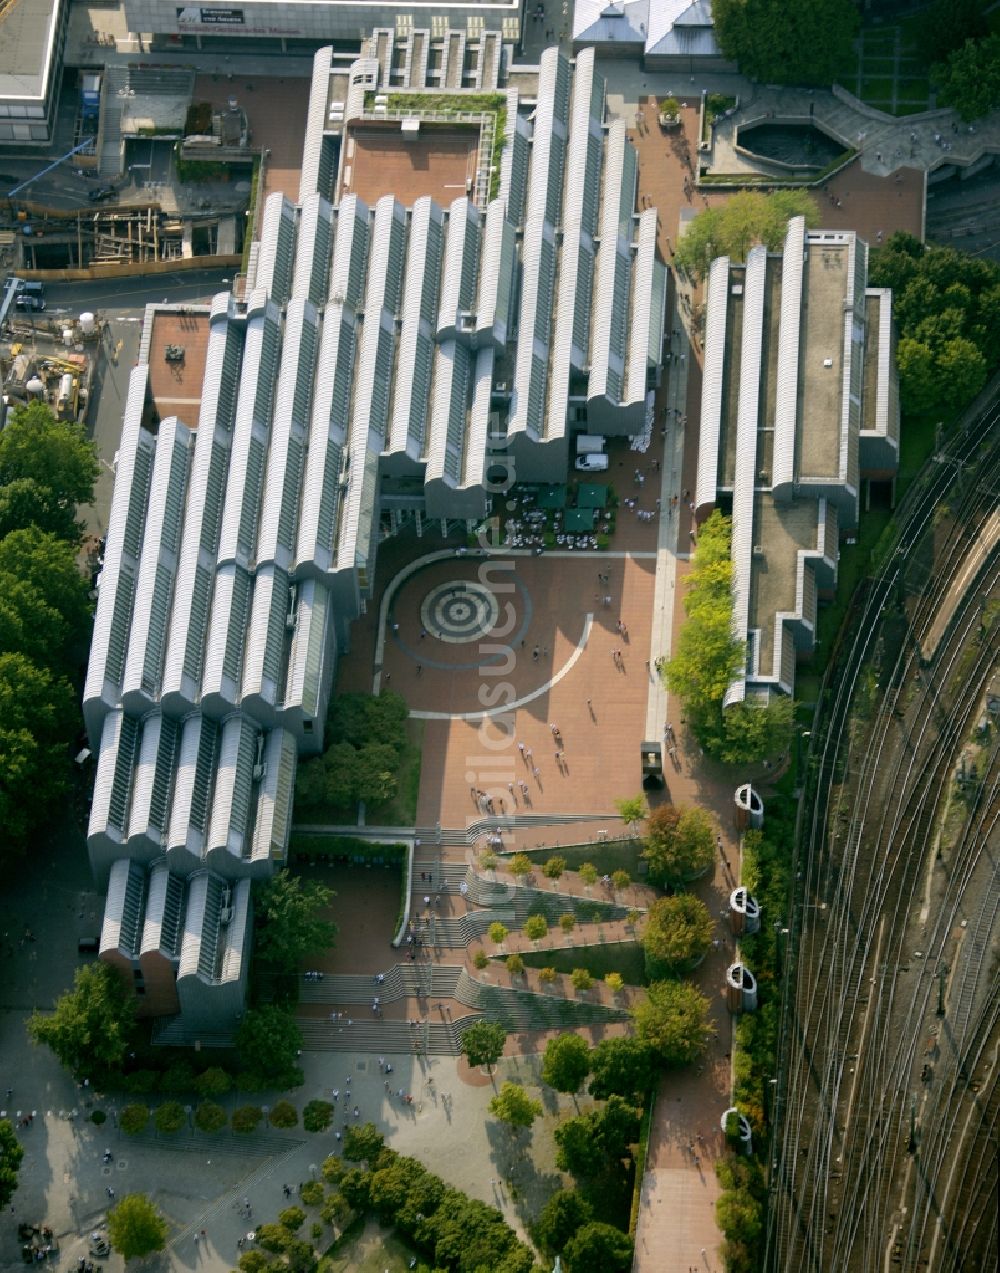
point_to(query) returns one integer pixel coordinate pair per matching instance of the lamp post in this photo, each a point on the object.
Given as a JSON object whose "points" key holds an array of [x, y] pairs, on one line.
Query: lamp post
{"points": [[188, 1111], [265, 1110]]}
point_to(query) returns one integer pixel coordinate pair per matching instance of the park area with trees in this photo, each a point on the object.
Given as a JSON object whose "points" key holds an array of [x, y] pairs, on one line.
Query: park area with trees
{"points": [[47, 469]]}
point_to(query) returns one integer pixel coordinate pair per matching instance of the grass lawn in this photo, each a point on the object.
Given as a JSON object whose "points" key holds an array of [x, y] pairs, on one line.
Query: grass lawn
{"points": [[401, 810], [367, 1249], [624, 957], [916, 442], [877, 88], [607, 855]]}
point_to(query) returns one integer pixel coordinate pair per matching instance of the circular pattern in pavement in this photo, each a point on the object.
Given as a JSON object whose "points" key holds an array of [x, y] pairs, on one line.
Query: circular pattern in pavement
{"points": [[459, 611]]}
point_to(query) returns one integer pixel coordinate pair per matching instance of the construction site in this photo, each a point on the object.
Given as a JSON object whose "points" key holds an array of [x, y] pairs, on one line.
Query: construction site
{"points": [[46, 360]]}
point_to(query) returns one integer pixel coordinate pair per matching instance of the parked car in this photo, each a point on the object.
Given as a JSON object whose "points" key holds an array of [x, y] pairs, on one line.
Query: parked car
{"points": [[592, 462]]}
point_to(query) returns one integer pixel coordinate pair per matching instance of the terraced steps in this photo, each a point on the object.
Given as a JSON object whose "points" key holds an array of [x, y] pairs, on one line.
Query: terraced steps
{"points": [[529, 1010], [402, 981], [385, 1038]]}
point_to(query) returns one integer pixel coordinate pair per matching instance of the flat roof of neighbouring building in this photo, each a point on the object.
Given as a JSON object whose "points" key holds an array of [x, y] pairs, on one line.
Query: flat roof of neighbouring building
{"points": [[27, 38], [821, 338], [779, 531], [175, 387], [378, 160]]}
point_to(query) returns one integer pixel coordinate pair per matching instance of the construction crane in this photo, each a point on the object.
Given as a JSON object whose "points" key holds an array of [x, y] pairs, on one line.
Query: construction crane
{"points": [[61, 160]]}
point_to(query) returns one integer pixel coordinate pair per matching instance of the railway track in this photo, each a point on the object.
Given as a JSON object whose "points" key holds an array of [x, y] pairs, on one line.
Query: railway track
{"points": [[850, 1046]]}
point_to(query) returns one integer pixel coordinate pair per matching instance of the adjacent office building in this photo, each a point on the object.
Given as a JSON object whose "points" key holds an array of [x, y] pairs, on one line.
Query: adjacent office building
{"points": [[380, 363], [799, 410], [32, 36]]}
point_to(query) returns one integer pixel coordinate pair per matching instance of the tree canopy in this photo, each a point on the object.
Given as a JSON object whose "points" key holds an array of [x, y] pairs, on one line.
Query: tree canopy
{"points": [[708, 657], [268, 1044], [54, 454], [564, 1213], [673, 1020], [11, 1153], [90, 1027], [513, 1105], [566, 1063], [483, 1043], [621, 1066], [679, 844], [945, 25], [970, 79], [47, 467], [289, 925], [774, 42], [366, 740], [599, 1248], [136, 1228], [947, 307], [748, 218], [678, 934], [594, 1144]]}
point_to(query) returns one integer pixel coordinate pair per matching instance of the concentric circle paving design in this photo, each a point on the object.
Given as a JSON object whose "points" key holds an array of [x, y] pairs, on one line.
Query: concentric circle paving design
{"points": [[459, 611]]}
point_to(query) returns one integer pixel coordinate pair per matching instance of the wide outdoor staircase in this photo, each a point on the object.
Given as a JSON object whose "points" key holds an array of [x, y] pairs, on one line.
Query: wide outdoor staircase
{"points": [[440, 1038], [523, 900], [514, 1009], [529, 1010], [402, 981], [430, 836]]}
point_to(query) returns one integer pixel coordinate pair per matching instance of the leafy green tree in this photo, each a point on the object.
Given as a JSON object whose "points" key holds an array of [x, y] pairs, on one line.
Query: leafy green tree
{"points": [[292, 1218], [554, 867], [377, 767], [679, 845], [947, 24], [283, 1114], [621, 1067], [547, 975], [37, 720], [673, 1019], [48, 565], [54, 454], [24, 502], [393, 1187], [483, 1044], [269, 1042], [480, 959], [753, 731], [355, 1185], [961, 368], [291, 926], [581, 979], [615, 982], [594, 1144], [632, 809], [134, 1119], [178, 1077], [514, 1106], [566, 1063], [317, 1116], [11, 1153], [620, 879], [90, 1027], [970, 79], [246, 1119], [918, 389], [312, 1193], [567, 922], [772, 43], [336, 1209], [210, 1117], [678, 934], [170, 1118], [498, 933], [520, 865], [363, 1144], [136, 1228], [213, 1082], [599, 1248], [733, 228], [514, 964], [535, 927], [564, 1213], [588, 873]]}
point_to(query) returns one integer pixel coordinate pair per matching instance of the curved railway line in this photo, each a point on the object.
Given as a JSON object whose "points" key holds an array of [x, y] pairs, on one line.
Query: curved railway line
{"points": [[880, 916]]}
